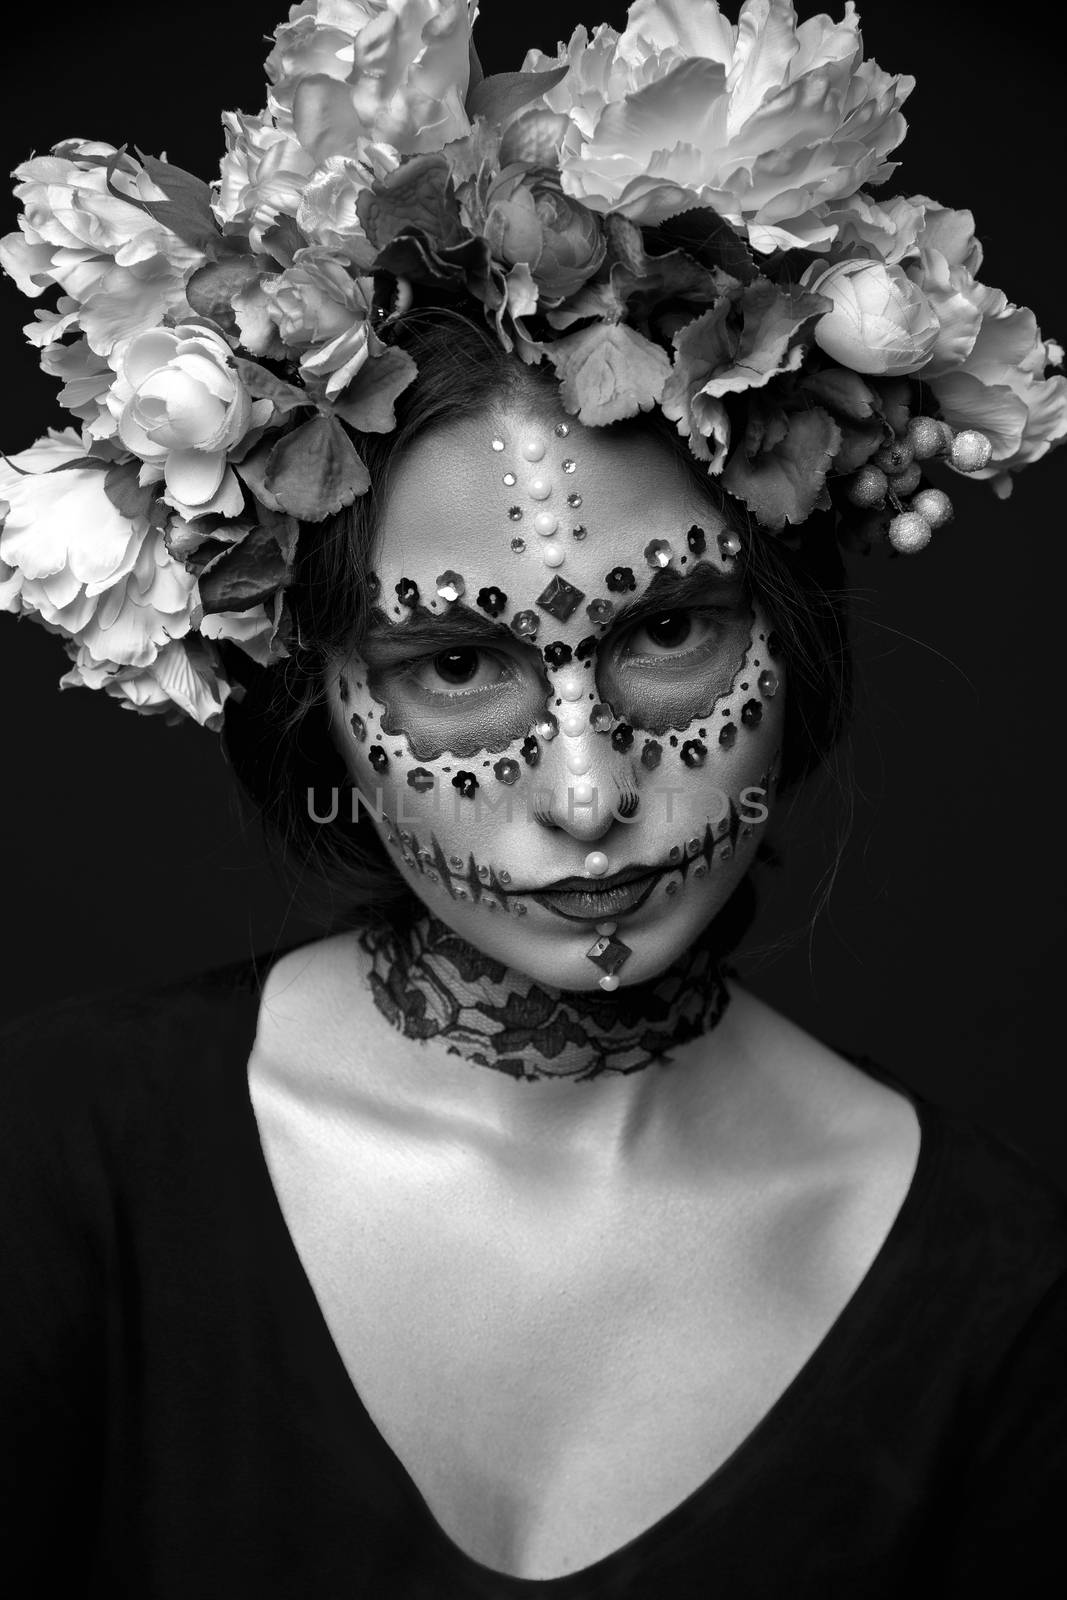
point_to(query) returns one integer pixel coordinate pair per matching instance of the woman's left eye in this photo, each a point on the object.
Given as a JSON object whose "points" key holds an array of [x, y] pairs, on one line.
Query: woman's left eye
{"points": [[670, 632], [463, 670]]}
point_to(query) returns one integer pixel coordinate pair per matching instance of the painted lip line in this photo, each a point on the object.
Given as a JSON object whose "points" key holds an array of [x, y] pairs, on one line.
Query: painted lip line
{"points": [[594, 903]]}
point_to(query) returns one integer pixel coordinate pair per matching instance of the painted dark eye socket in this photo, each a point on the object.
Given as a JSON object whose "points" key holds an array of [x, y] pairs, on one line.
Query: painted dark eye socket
{"points": [[457, 666], [669, 630]]}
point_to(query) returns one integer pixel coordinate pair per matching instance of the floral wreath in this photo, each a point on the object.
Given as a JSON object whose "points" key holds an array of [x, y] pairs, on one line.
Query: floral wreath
{"points": [[677, 216]]}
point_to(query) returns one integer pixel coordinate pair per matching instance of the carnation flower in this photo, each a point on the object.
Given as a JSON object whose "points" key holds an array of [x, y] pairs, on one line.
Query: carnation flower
{"points": [[392, 71], [879, 321], [184, 679], [321, 311], [82, 568], [327, 215], [765, 122], [263, 174], [527, 218], [122, 270], [181, 407]]}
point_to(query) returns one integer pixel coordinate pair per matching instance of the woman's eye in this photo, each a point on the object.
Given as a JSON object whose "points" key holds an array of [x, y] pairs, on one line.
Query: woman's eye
{"points": [[669, 631], [466, 668]]}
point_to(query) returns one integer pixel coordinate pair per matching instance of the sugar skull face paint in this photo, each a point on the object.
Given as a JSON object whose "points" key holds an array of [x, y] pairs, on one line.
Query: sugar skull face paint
{"points": [[523, 712]]}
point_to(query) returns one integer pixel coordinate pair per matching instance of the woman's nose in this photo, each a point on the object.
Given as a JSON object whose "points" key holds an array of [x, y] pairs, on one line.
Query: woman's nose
{"points": [[585, 785]]}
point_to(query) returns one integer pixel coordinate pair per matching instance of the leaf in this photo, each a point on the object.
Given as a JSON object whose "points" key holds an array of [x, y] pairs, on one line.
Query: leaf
{"points": [[842, 391], [262, 384], [367, 403], [130, 497], [786, 483], [187, 209], [711, 240], [499, 97], [249, 573], [79, 464], [859, 441], [607, 372], [212, 287], [640, 281], [462, 266], [315, 470], [415, 198]]}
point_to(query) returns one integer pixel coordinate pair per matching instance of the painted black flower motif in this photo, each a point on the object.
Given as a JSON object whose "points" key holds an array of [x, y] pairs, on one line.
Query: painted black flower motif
{"points": [[492, 600], [620, 579], [585, 647], [530, 750], [693, 753], [466, 783], [407, 592], [622, 737], [751, 713], [557, 654], [728, 734], [378, 758]]}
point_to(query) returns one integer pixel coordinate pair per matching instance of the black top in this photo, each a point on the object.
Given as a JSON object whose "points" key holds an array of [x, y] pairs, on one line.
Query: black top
{"points": [[177, 1421]]}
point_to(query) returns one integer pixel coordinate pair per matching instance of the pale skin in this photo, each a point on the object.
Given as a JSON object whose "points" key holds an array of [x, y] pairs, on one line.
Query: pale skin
{"points": [[564, 1304]]}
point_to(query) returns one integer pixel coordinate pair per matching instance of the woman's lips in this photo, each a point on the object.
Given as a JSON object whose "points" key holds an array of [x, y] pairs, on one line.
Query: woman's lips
{"points": [[596, 900]]}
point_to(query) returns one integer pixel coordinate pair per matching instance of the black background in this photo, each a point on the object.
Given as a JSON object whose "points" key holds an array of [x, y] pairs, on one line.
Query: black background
{"points": [[941, 951]]}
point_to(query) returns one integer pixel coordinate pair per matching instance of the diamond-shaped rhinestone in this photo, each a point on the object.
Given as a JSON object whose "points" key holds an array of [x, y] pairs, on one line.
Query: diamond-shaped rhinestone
{"points": [[560, 599], [609, 954]]}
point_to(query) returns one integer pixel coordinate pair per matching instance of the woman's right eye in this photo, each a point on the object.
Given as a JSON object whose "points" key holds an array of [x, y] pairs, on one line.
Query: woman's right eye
{"points": [[465, 669]]}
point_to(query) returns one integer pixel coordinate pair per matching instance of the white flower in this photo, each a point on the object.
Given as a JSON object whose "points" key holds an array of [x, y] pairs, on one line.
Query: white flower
{"points": [[82, 568], [122, 270], [392, 71], [263, 174], [765, 122], [181, 407], [180, 681], [322, 311], [327, 215], [880, 322]]}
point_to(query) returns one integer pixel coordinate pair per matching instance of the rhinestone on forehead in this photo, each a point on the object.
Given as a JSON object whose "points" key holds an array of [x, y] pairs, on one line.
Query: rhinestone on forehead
{"points": [[498, 445], [560, 599], [450, 586], [658, 553], [561, 430]]}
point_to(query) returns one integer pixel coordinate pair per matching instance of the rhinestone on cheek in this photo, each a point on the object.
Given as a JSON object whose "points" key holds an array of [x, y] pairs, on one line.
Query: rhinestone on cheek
{"points": [[498, 445], [574, 499], [518, 545], [600, 612], [767, 684], [561, 430], [729, 545], [510, 479], [530, 750], [697, 540], [547, 728], [557, 654], [727, 735], [651, 755], [514, 513], [751, 713], [601, 718], [568, 465], [525, 624], [579, 532], [623, 737], [694, 754]]}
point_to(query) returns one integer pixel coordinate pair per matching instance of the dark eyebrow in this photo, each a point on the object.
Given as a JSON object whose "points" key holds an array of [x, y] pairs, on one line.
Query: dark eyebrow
{"points": [[671, 586], [458, 625]]}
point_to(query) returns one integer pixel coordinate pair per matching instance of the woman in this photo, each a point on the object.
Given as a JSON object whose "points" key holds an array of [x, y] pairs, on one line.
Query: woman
{"points": [[499, 1242]]}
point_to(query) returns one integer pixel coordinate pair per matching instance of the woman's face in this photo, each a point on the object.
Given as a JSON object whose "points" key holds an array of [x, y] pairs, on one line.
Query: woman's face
{"points": [[566, 714]]}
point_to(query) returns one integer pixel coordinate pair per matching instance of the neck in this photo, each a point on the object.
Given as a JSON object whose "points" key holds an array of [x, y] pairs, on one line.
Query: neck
{"points": [[430, 984]]}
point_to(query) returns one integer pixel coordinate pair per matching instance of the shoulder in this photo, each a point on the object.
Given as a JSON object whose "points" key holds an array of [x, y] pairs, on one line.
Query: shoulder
{"points": [[980, 1204]]}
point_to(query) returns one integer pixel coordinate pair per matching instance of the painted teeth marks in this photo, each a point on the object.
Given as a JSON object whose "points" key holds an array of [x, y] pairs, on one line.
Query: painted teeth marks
{"points": [[462, 879]]}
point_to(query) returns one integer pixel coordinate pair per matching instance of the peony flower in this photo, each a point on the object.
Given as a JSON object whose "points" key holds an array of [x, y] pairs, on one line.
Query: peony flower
{"points": [[765, 122], [263, 174], [122, 271], [81, 567], [527, 218], [327, 214], [392, 71], [181, 407], [987, 365], [322, 311], [880, 321]]}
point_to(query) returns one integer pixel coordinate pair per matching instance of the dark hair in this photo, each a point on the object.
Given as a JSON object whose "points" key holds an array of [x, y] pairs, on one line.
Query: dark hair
{"points": [[276, 733]]}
